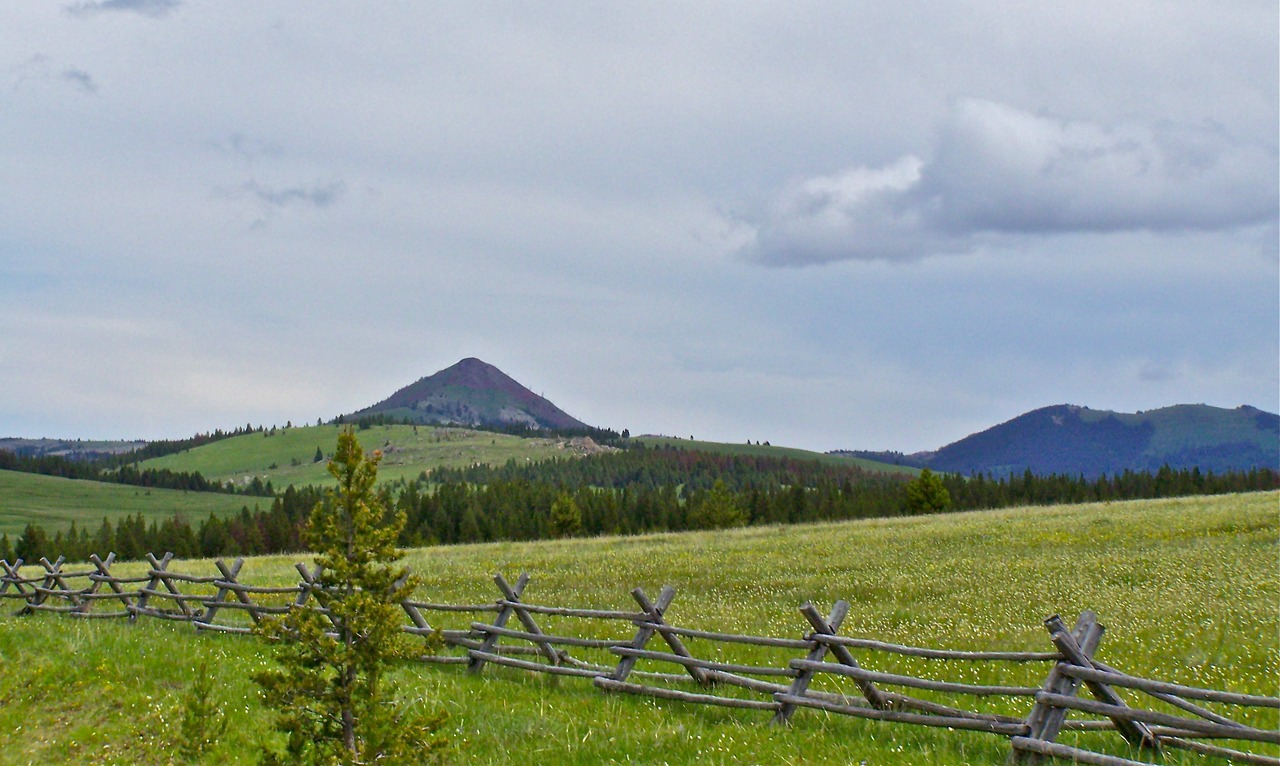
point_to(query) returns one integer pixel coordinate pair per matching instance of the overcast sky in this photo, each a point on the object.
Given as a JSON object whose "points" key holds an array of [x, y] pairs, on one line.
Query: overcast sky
{"points": [[824, 224]]}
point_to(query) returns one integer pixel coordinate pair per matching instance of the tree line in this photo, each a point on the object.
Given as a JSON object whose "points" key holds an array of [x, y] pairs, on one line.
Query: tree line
{"points": [[634, 491], [116, 471]]}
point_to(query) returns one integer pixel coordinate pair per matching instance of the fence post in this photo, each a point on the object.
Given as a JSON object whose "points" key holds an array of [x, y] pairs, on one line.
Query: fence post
{"points": [[11, 577], [659, 623], [168, 583], [103, 575], [646, 631], [875, 697], [309, 588], [510, 595], [143, 595], [816, 654], [491, 640], [41, 592], [1045, 721], [1136, 732], [229, 575]]}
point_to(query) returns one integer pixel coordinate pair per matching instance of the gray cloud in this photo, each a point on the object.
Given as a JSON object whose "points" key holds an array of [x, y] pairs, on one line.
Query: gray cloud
{"points": [[318, 194], [260, 204], [81, 79], [38, 70], [153, 8], [998, 170]]}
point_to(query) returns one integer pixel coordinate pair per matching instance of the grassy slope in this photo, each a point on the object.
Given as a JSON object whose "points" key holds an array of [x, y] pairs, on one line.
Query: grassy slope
{"points": [[54, 503], [1188, 589], [409, 451], [1190, 425]]}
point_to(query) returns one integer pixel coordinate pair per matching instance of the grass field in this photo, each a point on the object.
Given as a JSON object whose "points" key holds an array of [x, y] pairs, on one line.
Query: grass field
{"points": [[54, 503], [408, 450], [1189, 590]]}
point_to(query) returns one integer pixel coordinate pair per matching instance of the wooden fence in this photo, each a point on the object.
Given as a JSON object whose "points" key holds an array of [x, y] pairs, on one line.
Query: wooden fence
{"points": [[818, 670]]}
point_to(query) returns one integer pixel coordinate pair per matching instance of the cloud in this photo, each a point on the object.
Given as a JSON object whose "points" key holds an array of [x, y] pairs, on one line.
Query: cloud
{"points": [[997, 170], [153, 8], [81, 79], [39, 69], [315, 195]]}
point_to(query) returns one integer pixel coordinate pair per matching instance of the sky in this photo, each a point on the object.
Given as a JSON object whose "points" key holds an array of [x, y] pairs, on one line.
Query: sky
{"points": [[829, 225]]}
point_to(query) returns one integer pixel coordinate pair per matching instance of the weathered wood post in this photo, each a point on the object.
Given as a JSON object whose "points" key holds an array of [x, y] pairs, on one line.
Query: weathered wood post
{"points": [[656, 622], [875, 697], [511, 597], [229, 574], [1045, 721], [1137, 733], [500, 621], [818, 651], [41, 592]]}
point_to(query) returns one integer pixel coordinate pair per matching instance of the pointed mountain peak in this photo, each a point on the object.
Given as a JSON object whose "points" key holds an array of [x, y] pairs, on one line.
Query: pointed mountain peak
{"points": [[472, 393]]}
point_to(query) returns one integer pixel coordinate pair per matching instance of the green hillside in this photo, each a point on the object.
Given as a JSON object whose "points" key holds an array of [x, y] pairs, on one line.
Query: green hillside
{"points": [[287, 456], [1186, 588], [54, 503]]}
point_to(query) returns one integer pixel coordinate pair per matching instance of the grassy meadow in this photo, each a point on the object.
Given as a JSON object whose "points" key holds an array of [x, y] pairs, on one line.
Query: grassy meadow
{"points": [[1189, 590], [288, 455], [54, 503]]}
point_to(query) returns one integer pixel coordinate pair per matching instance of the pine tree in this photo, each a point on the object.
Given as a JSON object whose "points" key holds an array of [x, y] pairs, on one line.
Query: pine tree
{"points": [[927, 494], [333, 703], [566, 517], [32, 544], [6, 549], [717, 509]]}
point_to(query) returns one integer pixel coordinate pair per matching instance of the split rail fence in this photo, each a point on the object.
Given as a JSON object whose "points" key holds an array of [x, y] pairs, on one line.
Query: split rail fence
{"points": [[822, 672]]}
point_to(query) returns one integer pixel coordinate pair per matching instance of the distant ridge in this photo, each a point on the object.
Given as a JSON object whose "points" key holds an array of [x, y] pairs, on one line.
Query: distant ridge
{"points": [[472, 393], [1067, 439]]}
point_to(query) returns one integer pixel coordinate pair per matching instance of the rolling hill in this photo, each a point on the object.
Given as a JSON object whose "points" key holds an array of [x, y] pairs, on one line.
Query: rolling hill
{"points": [[1067, 439], [286, 456], [54, 503]]}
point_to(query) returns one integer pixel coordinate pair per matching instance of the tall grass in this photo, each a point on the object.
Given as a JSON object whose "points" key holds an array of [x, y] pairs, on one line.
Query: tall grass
{"points": [[54, 503], [1188, 588]]}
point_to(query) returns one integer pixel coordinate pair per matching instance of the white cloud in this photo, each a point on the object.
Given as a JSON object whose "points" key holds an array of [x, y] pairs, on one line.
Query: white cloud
{"points": [[998, 170], [152, 8]]}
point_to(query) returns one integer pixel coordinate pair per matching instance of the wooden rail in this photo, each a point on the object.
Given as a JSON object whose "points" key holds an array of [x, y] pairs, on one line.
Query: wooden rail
{"points": [[608, 646]]}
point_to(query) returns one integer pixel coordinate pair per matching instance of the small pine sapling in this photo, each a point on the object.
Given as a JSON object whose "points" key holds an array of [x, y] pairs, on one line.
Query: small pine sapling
{"points": [[334, 704]]}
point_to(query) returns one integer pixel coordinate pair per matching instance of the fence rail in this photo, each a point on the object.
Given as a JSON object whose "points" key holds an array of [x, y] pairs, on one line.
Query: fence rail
{"points": [[615, 641]]}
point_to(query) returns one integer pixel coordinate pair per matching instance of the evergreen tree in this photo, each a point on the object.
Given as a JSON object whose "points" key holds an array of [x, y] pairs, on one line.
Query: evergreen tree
{"points": [[717, 509], [104, 540], [334, 705], [6, 549], [927, 494], [566, 517], [32, 543]]}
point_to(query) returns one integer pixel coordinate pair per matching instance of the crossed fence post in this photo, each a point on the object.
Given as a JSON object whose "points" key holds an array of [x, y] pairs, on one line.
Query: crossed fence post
{"points": [[1047, 717], [39, 593], [102, 575], [56, 581], [510, 604], [11, 577], [827, 627]]}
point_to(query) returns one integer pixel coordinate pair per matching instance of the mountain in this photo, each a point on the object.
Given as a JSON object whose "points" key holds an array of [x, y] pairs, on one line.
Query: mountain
{"points": [[1067, 439], [471, 393]]}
